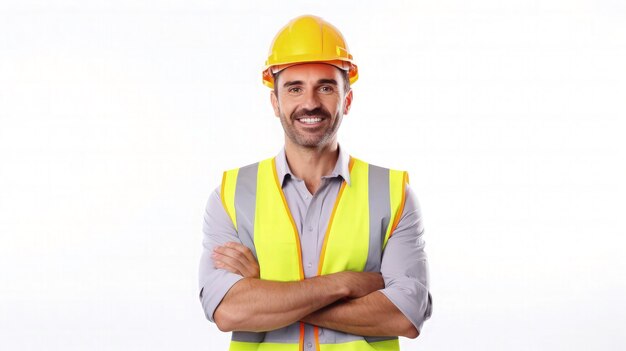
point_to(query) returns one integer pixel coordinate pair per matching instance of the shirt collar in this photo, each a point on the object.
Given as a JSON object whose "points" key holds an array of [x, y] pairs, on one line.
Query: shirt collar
{"points": [[342, 167]]}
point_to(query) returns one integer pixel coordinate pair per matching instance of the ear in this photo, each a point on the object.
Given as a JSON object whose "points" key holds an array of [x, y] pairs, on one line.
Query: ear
{"points": [[274, 100], [347, 102]]}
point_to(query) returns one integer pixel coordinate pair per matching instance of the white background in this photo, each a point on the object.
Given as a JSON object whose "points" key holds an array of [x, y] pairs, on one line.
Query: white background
{"points": [[118, 117]]}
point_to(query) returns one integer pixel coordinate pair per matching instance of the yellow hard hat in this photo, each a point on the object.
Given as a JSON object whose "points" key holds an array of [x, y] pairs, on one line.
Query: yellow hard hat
{"points": [[308, 39]]}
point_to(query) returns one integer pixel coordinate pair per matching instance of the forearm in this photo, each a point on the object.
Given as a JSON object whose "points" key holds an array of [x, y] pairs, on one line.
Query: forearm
{"points": [[261, 305], [370, 315]]}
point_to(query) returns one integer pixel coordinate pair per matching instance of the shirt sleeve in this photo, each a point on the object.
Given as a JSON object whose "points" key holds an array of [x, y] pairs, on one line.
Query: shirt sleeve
{"points": [[217, 230], [404, 265]]}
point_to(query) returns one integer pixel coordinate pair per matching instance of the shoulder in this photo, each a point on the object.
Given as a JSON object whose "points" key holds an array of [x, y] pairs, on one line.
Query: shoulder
{"points": [[385, 176], [214, 202], [250, 169], [412, 203], [376, 167], [247, 166], [243, 177]]}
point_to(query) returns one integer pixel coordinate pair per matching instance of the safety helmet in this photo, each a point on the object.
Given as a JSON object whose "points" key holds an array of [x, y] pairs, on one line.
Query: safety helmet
{"points": [[308, 39]]}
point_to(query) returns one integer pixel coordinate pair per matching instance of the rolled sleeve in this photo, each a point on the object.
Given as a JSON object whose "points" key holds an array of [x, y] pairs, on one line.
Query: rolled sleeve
{"points": [[404, 265], [217, 229]]}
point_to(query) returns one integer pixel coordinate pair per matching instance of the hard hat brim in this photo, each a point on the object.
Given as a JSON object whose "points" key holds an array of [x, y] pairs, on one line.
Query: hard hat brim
{"points": [[270, 71]]}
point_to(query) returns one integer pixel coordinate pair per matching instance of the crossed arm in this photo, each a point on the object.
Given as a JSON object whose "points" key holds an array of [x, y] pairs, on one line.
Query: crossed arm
{"points": [[351, 302], [345, 301]]}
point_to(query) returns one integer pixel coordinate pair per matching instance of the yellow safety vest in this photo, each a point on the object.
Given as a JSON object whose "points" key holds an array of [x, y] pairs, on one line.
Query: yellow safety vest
{"points": [[354, 241]]}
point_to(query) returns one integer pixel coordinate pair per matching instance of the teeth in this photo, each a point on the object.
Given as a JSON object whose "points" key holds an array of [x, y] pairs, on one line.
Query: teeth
{"points": [[310, 120]]}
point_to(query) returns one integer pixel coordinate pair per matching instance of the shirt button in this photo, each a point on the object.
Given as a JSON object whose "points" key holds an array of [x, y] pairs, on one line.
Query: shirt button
{"points": [[309, 265], [310, 228], [309, 345], [306, 197]]}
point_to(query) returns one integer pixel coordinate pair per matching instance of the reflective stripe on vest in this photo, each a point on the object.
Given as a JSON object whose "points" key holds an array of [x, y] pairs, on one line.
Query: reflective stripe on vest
{"points": [[364, 216]]}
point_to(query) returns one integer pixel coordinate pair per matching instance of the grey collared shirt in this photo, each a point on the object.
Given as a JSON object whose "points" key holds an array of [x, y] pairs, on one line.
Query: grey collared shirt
{"points": [[404, 265]]}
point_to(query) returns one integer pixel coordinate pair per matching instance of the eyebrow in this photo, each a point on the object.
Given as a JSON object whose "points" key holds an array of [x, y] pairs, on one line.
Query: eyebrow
{"points": [[293, 82], [327, 81], [299, 82]]}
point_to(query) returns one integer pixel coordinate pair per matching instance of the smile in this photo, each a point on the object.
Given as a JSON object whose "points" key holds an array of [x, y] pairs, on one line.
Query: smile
{"points": [[310, 120]]}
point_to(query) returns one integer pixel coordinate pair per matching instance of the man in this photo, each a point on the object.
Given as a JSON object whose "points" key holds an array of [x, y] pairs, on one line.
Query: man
{"points": [[313, 249]]}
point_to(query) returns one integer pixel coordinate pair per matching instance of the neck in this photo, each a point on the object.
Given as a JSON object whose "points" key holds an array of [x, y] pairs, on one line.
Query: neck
{"points": [[310, 164]]}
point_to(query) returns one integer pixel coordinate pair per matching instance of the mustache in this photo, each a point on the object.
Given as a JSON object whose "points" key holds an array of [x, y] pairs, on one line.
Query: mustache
{"points": [[318, 111]]}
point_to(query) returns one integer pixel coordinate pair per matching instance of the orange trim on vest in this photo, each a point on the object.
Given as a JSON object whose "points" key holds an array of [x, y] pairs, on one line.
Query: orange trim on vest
{"points": [[293, 223], [330, 221], [317, 337], [402, 201], [323, 253], [222, 193], [301, 346], [295, 231]]}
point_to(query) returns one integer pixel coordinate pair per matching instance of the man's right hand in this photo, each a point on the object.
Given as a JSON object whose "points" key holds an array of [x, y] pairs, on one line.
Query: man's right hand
{"points": [[236, 258]]}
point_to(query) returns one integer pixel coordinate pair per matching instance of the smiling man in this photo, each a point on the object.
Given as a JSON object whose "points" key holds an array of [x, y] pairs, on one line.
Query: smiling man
{"points": [[313, 249]]}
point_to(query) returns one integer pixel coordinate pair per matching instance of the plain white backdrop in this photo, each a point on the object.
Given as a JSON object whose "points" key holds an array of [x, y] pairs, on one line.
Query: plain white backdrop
{"points": [[118, 117]]}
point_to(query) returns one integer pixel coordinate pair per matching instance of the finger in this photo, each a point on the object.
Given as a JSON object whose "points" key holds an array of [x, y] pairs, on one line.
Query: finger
{"points": [[243, 254], [248, 274], [232, 269], [235, 263], [249, 268], [222, 265], [230, 252], [243, 249]]}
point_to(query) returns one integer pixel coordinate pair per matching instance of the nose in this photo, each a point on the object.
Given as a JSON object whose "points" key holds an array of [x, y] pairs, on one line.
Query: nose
{"points": [[311, 100]]}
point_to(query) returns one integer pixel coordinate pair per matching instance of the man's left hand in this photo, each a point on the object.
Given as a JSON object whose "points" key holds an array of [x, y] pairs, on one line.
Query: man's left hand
{"points": [[236, 258]]}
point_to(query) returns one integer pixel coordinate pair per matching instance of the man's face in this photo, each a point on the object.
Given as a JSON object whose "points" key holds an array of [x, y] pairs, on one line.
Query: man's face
{"points": [[311, 103]]}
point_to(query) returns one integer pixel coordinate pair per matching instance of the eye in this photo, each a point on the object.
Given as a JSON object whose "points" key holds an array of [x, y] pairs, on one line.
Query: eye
{"points": [[326, 89], [295, 90]]}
